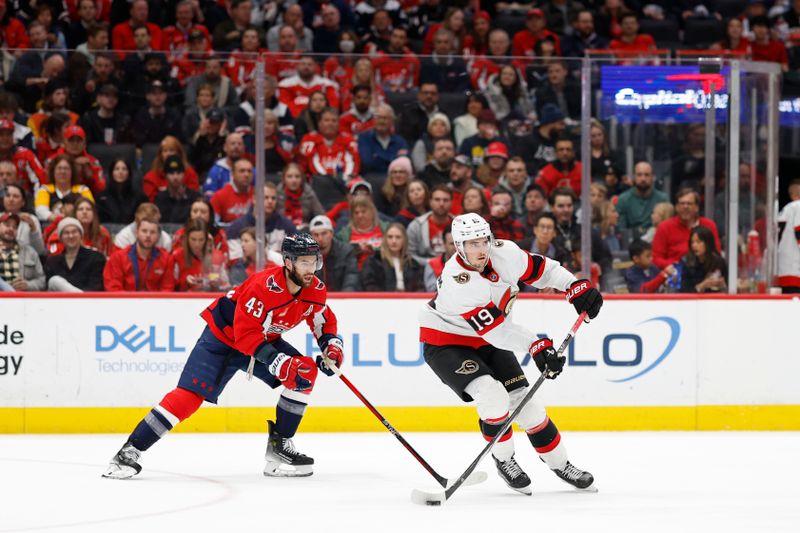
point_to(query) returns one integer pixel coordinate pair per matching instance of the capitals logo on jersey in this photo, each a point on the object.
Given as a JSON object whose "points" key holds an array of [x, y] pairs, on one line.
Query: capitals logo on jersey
{"points": [[272, 286]]}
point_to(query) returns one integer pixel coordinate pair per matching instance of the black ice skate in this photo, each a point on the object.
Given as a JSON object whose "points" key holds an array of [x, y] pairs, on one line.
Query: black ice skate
{"points": [[580, 479], [513, 475], [124, 465], [282, 459]]}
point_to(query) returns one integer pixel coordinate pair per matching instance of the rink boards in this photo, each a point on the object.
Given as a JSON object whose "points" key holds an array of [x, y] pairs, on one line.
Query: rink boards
{"points": [[96, 364]]}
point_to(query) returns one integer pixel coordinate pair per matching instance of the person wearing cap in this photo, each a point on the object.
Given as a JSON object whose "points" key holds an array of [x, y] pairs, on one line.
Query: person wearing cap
{"points": [[437, 171], [460, 181], [88, 167], [438, 128], [143, 265], [154, 70], [176, 200], [208, 145], [339, 269], [188, 21], [340, 212], [77, 268], [155, 121], [565, 171], [539, 148], [30, 173], [122, 35], [391, 197], [493, 168], [443, 68], [425, 239], [535, 30], [235, 198], [474, 147], [380, 145], [20, 268], [106, 123]]}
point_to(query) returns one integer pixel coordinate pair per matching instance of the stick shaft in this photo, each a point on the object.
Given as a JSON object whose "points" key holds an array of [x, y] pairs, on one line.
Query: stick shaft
{"points": [[449, 492], [440, 479]]}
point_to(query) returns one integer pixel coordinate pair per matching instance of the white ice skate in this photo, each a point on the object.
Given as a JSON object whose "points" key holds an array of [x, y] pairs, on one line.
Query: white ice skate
{"points": [[282, 458], [124, 464]]}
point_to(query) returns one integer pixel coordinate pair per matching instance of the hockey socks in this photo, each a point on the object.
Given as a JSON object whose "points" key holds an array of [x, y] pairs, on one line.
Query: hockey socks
{"points": [[547, 441], [503, 449], [289, 412], [176, 407]]}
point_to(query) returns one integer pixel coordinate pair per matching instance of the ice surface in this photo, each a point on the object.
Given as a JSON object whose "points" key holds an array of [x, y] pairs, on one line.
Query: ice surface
{"points": [[677, 482]]}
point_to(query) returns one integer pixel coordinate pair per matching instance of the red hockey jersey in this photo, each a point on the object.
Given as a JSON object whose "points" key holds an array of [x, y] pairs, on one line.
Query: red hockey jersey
{"points": [[318, 157], [397, 74], [30, 172], [294, 92], [261, 309]]}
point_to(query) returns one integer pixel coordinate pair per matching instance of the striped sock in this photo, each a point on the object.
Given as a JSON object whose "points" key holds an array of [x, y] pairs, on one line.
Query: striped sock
{"points": [[290, 410], [157, 423], [503, 449], [546, 439]]}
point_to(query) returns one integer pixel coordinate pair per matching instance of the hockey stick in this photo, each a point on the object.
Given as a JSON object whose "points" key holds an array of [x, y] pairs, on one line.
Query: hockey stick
{"points": [[468, 479], [437, 498]]}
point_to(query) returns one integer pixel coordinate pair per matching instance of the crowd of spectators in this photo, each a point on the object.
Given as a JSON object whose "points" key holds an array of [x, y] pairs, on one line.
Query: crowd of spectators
{"points": [[127, 139]]}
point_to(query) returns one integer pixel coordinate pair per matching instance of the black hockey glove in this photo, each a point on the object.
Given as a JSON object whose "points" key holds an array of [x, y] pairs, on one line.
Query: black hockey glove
{"points": [[544, 355], [585, 297]]}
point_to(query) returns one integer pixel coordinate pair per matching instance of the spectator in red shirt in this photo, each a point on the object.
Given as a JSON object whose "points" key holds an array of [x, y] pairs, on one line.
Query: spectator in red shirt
{"points": [[453, 21], [142, 266], [734, 39], [671, 241], [565, 171], [122, 34], [397, 70], [329, 152], [12, 31], [535, 30], [358, 118], [90, 171], [235, 198], [765, 48], [30, 173], [501, 220], [476, 43], [295, 90], [630, 40], [198, 265], [155, 180], [242, 61]]}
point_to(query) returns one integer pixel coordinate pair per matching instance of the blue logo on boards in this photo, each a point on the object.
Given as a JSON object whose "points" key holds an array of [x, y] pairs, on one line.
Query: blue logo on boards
{"points": [[134, 338], [675, 333]]}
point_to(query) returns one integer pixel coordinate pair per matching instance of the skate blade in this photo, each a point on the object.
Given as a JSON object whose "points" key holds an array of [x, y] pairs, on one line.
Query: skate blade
{"points": [[522, 490], [590, 488], [119, 472], [284, 470]]}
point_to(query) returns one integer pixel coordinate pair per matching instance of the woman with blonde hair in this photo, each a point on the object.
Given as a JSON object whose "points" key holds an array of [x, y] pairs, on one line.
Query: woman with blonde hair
{"points": [[198, 265], [608, 166], [391, 197], [391, 268], [297, 201], [661, 211], [608, 218], [155, 180], [363, 74], [365, 230]]}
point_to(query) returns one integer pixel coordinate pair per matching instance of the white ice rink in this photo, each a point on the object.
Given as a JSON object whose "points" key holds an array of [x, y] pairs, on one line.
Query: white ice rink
{"points": [[677, 482]]}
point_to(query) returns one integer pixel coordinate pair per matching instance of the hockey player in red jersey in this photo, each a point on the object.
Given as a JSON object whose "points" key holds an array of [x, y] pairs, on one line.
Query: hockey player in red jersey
{"points": [[470, 340], [243, 332]]}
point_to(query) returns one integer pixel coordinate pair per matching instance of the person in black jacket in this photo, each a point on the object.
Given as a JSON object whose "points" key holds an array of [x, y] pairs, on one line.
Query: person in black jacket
{"points": [[78, 268], [105, 123], [391, 268], [176, 200], [413, 120], [340, 268], [155, 121], [118, 202]]}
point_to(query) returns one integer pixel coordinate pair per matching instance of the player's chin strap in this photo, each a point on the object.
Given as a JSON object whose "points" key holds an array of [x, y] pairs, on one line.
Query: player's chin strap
{"points": [[473, 479]]}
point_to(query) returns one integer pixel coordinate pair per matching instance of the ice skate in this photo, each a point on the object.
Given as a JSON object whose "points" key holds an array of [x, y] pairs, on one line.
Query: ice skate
{"points": [[513, 475], [282, 458], [580, 479], [124, 464]]}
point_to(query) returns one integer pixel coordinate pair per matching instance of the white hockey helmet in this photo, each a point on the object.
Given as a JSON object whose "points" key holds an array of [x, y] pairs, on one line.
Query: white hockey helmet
{"points": [[467, 227]]}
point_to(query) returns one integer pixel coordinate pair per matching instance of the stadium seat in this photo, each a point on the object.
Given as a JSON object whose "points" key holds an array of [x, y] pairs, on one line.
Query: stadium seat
{"points": [[108, 153], [329, 190], [730, 8], [399, 100], [453, 104], [665, 32], [700, 33]]}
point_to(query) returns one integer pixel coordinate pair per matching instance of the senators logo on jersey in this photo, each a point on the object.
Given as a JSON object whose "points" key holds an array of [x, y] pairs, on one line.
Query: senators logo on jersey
{"points": [[461, 278]]}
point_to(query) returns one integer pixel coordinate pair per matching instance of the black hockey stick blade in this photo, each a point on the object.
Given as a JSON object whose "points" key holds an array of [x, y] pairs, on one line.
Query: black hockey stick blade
{"points": [[421, 497]]}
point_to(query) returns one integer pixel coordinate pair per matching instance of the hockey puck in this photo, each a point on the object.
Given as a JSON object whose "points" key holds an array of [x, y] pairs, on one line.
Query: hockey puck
{"points": [[433, 502]]}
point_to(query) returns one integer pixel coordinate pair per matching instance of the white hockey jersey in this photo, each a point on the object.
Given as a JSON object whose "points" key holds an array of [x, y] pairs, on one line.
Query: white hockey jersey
{"points": [[474, 308], [789, 245]]}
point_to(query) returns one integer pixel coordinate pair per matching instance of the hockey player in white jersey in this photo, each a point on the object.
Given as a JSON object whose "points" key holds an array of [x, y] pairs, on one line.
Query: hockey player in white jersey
{"points": [[789, 242], [469, 340]]}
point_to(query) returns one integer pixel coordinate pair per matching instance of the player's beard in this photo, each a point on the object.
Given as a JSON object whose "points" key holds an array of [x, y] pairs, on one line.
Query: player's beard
{"points": [[297, 280]]}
